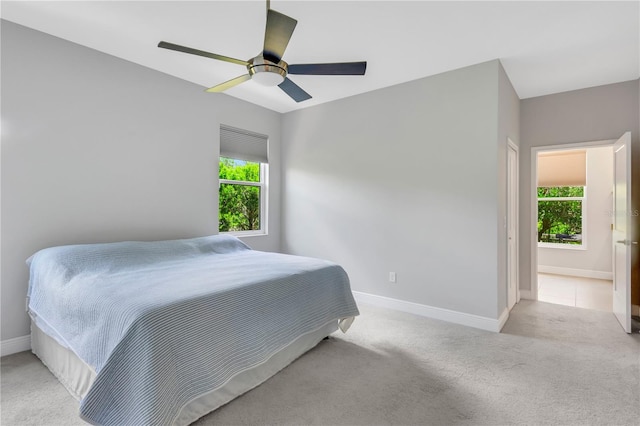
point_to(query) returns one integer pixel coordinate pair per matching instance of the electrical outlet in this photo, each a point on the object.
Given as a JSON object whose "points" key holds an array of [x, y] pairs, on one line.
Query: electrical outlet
{"points": [[392, 277]]}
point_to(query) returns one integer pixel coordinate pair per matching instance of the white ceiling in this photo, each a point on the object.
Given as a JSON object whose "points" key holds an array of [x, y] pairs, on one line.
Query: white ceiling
{"points": [[545, 47]]}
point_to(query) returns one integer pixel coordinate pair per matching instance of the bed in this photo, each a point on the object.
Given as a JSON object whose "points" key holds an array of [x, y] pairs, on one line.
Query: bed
{"points": [[164, 332]]}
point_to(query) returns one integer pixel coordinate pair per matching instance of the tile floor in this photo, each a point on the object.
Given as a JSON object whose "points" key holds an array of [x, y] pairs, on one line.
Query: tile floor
{"points": [[580, 292]]}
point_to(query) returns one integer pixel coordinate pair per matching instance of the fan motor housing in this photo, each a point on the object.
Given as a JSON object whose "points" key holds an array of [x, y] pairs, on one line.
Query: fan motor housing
{"points": [[266, 72]]}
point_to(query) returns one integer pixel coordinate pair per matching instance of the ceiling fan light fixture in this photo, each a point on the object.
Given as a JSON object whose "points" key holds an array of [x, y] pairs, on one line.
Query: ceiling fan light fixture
{"points": [[267, 73], [267, 77]]}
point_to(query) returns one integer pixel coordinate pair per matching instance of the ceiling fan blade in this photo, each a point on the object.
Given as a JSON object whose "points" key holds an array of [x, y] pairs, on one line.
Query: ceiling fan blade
{"points": [[171, 46], [293, 90], [277, 35], [229, 84], [342, 68]]}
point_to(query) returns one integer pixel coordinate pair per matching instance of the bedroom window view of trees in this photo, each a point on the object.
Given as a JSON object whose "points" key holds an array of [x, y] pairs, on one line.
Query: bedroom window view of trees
{"points": [[240, 188], [560, 211]]}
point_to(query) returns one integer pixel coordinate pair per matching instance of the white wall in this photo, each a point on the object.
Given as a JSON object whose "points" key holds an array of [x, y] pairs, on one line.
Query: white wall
{"points": [[595, 260], [95, 148], [597, 113], [402, 179]]}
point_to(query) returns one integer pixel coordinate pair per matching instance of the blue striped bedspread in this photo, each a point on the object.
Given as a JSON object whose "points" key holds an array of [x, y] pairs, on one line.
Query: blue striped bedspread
{"points": [[164, 322]]}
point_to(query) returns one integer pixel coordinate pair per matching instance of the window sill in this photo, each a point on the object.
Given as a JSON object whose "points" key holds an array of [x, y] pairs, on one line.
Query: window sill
{"points": [[563, 246], [245, 233]]}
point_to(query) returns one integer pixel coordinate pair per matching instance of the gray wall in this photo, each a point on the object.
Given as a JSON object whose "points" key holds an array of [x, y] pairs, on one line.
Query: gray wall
{"points": [[403, 179], [597, 113], [95, 148]]}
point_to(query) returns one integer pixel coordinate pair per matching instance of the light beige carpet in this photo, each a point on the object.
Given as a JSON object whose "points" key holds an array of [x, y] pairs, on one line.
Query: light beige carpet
{"points": [[552, 365]]}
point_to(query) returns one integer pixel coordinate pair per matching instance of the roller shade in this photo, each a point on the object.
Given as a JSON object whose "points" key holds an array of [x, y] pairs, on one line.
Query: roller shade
{"points": [[243, 145], [562, 168]]}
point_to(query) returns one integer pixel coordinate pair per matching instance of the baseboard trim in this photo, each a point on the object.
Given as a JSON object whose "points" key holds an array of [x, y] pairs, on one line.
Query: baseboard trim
{"points": [[15, 345], [455, 317], [559, 270]]}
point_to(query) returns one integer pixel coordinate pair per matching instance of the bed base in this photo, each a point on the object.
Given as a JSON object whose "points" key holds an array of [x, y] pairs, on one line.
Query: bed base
{"points": [[76, 376]]}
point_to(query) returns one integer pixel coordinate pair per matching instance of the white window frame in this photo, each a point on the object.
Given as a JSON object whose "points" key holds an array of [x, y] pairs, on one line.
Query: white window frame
{"points": [[583, 200], [264, 173]]}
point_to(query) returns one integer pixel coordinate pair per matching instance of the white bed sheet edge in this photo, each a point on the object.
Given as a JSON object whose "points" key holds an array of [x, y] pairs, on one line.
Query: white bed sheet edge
{"points": [[74, 374]]}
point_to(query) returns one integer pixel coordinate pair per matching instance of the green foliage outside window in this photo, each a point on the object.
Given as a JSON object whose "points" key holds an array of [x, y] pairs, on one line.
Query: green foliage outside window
{"points": [[239, 203], [560, 221]]}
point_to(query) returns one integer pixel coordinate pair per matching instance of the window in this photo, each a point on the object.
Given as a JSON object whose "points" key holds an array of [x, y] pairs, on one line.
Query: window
{"points": [[561, 215], [243, 167], [562, 180]]}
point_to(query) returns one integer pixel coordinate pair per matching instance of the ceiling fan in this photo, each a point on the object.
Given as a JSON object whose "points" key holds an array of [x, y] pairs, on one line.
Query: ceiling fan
{"points": [[268, 68]]}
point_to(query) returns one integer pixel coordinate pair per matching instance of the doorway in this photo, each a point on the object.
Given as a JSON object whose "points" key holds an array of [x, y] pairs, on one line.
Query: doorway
{"points": [[620, 219], [574, 198], [572, 246]]}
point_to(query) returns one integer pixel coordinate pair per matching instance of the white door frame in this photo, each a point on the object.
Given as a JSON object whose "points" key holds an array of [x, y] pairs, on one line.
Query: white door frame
{"points": [[515, 184], [533, 220]]}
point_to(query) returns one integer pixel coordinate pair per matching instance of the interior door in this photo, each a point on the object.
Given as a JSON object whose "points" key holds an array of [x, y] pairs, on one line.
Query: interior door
{"points": [[512, 225], [622, 231]]}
